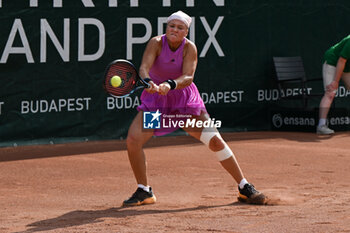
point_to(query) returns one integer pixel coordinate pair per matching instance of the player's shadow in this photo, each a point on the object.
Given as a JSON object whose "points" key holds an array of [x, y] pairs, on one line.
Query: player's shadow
{"points": [[82, 217]]}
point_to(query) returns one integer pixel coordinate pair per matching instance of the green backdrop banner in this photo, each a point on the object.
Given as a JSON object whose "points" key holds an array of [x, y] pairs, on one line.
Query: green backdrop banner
{"points": [[53, 55]]}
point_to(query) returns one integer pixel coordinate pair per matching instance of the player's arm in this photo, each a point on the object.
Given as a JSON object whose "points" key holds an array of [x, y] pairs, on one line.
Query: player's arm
{"points": [[188, 69], [339, 69], [152, 50]]}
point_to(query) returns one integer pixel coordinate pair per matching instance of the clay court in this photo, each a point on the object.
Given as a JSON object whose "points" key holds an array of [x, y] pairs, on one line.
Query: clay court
{"points": [[79, 187]]}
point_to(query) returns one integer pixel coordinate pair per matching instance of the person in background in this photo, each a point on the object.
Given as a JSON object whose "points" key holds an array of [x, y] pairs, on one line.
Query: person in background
{"points": [[336, 66]]}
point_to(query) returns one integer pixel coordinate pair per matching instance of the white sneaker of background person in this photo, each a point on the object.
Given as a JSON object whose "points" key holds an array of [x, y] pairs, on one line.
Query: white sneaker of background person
{"points": [[322, 128]]}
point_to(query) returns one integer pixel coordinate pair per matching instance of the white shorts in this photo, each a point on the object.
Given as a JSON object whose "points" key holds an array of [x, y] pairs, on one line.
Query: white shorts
{"points": [[329, 74]]}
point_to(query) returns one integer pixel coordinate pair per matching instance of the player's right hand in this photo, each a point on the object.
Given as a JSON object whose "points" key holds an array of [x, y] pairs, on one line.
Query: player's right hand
{"points": [[153, 88], [332, 86], [164, 88]]}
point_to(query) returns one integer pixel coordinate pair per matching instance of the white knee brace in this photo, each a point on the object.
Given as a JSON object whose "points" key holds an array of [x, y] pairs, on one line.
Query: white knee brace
{"points": [[207, 135], [224, 153]]}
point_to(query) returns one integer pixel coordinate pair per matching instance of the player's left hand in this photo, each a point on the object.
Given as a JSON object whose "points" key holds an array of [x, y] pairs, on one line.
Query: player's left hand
{"points": [[164, 88]]}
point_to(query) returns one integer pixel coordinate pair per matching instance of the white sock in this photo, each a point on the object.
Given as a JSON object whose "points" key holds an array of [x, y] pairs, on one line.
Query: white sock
{"points": [[242, 183], [322, 121], [145, 188]]}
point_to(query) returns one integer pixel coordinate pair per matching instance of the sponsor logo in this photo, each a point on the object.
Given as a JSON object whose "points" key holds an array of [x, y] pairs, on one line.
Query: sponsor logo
{"points": [[151, 120], [340, 120], [157, 120], [278, 121]]}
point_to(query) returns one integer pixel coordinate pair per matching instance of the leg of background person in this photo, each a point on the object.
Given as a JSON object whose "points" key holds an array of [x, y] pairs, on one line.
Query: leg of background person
{"points": [[135, 140], [328, 73], [217, 144], [325, 104]]}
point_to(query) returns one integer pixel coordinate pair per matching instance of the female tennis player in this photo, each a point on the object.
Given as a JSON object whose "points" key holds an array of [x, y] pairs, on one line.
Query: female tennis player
{"points": [[169, 63]]}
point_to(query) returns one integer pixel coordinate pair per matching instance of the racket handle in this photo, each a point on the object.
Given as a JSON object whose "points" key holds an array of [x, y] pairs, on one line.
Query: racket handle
{"points": [[146, 82]]}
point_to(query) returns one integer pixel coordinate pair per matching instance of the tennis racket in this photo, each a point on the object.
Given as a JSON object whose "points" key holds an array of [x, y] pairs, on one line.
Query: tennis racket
{"points": [[122, 79]]}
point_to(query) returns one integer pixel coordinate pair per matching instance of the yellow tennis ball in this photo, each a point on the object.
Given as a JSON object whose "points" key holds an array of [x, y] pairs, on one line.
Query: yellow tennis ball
{"points": [[116, 81]]}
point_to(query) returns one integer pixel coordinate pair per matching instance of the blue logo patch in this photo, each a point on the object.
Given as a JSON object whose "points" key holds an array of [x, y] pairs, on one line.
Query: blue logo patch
{"points": [[151, 120]]}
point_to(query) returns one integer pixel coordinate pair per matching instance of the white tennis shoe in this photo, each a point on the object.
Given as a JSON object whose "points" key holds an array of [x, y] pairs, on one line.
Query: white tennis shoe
{"points": [[323, 129]]}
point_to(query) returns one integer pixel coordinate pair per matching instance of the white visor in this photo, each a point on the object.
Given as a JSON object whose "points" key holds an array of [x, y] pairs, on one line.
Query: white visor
{"points": [[179, 15]]}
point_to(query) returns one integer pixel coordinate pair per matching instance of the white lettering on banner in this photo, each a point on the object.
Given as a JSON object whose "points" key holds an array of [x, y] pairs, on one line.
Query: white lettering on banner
{"points": [[273, 94], [81, 38], [114, 3], [211, 38], [1, 103], [130, 40], [190, 3], [299, 121], [122, 103], [58, 3], [342, 92], [33, 3], [210, 123], [268, 95], [9, 49], [63, 45], [46, 29], [190, 123], [339, 120], [222, 97], [278, 121], [134, 3], [60, 105]]}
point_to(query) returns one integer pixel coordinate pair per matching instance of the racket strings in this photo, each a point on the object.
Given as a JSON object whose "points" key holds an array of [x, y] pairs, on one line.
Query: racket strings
{"points": [[128, 75]]}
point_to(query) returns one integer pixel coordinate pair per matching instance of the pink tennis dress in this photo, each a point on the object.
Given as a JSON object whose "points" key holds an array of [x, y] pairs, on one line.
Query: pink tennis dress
{"points": [[186, 101]]}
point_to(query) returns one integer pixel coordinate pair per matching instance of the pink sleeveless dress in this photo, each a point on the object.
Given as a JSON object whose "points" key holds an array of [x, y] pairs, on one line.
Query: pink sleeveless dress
{"points": [[186, 101]]}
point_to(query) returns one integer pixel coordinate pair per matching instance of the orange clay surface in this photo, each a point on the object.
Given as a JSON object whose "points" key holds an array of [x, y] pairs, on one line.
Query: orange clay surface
{"points": [[79, 187]]}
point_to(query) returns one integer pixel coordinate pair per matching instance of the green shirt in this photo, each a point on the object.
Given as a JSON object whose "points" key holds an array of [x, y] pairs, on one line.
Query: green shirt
{"points": [[342, 49]]}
